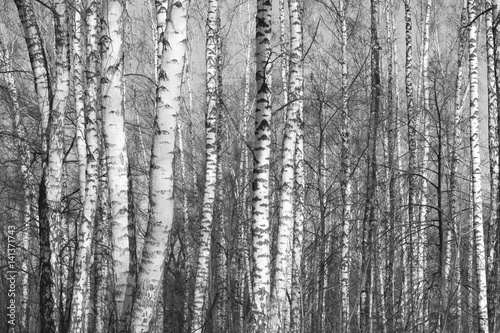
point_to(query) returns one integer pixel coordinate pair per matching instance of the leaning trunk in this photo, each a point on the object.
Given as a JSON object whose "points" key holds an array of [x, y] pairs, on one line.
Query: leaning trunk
{"points": [[162, 168]]}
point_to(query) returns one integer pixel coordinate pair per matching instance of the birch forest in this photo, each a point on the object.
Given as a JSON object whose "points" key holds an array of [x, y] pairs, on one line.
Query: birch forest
{"points": [[249, 166]]}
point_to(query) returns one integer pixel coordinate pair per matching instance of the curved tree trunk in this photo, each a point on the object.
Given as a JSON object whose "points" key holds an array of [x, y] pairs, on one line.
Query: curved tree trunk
{"points": [[162, 167], [39, 67]]}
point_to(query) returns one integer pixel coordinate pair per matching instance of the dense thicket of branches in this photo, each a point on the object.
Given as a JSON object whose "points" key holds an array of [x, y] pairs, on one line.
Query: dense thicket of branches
{"points": [[181, 166]]}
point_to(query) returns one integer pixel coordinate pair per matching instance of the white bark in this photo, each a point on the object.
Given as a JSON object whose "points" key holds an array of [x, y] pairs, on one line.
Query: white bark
{"points": [[212, 82], [80, 306], [476, 171], [346, 187], [54, 168], [161, 175], [412, 181], [159, 33], [280, 316], [39, 67], [262, 152], [452, 269], [102, 254], [494, 165], [78, 76], [244, 267], [421, 233], [117, 159], [284, 54], [495, 240], [38, 63]]}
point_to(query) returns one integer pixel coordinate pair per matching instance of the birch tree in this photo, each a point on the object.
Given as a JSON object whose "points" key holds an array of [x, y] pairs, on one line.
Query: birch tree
{"points": [[346, 175], [77, 56], [412, 147], [261, 157], [423, 209], [476, 172], [449, 270], [494, 163], [39, 67], [116, 152], [211, 156], [102, 253], [495, 246], [296, 92], [369, 217], [81, 291], [281, 307], [284, 53], [162, 168], [52, 232], [391, 175]]}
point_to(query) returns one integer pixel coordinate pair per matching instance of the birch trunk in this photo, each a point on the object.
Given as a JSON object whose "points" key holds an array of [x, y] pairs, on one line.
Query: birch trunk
{"points": [[496, 238], [244, 269], [39, 67], [161, 174], [202, 272], [452, 271], [160, 36], [281, 307], [38, 61], [102, 254], [51, 206], [400, 202], [260, 183], [188, 238], [346, 187], [297, 320], [476, 172], [371, 185], [222, 257], [99, 248], [494, 167], [392, 128], [412, 157], [80, 306], [423, 209], [284, 54], [186, 265], [117, 160], [78, 56]]}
